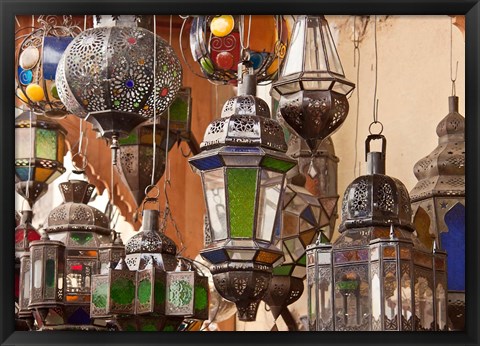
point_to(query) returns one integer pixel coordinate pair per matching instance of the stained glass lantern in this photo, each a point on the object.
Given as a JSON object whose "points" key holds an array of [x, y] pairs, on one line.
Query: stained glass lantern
{"points": [[216, 45], [243, 166], [111, 253], [312, 88], [438, 203], [39, 152], [82, 229], [36, 64], [136, 151], [123, 55], [377, 275]]}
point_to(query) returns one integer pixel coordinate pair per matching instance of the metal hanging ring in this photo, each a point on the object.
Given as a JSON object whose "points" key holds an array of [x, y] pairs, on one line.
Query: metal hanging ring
{"points": [[373, 123], [85, 162], [150, 188]]}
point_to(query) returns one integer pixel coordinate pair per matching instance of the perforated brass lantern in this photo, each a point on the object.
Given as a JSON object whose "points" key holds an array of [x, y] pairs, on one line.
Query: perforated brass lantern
{"points": [[36, 63], [312, 89], [243, 166], [39, 152], [377, 275], [106, 77], [438, 203], [216, 45]]}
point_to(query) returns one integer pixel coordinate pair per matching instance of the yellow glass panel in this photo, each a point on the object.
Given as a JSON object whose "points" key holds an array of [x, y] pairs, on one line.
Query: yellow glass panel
{"points": [[42, 174], [72, 298]]}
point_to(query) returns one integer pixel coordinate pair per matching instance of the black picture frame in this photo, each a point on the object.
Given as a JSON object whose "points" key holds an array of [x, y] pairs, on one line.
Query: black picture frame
{"points": [[10, 8]]}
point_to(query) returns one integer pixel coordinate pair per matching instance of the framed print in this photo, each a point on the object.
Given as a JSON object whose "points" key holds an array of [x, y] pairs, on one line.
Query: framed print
{"points": [[289, 173]]}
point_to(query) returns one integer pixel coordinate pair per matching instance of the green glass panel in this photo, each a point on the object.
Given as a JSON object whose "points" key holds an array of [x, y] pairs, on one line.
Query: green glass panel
{"points": [[169, 328], [122, 291], [303, 260], [46, 144], [81, 238], [180, 293], [50, 273], [278, 165], [282, 270], [144, 291], [131, 139], [99, 298], [242, 187], [159, 292], [179, 110], [201, 298], [149, 328], [131, 328]]}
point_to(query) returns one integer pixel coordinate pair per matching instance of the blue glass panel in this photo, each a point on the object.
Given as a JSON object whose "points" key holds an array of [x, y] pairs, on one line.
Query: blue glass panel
{"points": [[307, 214], [453, 242], [216, 256], [79, 317], [53, 48], [242, 150], [207, 163], [22, 173]]}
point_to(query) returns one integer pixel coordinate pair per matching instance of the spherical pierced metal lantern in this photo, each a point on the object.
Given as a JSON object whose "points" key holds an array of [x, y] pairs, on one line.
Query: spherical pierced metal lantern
{"points": [[106, 76], [312, 88], [217, 42], [243, 166], [438, 203], [39, 152], [36, 64], [377, 275]]}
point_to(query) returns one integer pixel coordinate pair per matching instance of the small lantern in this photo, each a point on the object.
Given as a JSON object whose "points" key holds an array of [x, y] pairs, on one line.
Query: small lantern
{"points": [[216, 44], [243, 166], [111, 253], [39, 152], [36, 65], [377, 275], [312, 88], [438, 203], [122, 55]]}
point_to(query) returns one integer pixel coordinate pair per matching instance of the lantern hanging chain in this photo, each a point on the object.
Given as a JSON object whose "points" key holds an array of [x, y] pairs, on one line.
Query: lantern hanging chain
{"points": [[154, 141], [452, 78], [27, 190], [356, 56], [375, 100]]}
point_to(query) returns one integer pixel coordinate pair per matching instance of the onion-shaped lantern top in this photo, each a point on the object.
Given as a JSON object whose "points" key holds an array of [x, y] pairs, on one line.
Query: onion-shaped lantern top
{"points": [[376, 199], [106, 76]]}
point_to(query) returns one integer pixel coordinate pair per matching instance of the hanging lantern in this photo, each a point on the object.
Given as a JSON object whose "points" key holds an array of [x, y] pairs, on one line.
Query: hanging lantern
{"points": [[438, 203], [312, 88], [377, 275], [136, 152], [106, 77], [39, 152], [36, 64], [217, 42], [243, 166], [147, 291]]}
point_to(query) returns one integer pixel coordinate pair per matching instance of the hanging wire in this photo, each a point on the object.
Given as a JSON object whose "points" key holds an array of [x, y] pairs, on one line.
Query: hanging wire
{"points": [[154, 142], [375, 100], [356, 56], [242, 36], [452, 78], [16, 20]]}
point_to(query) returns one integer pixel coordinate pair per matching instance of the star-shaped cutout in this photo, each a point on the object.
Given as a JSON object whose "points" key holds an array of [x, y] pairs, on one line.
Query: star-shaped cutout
{"points": [[443, 205]]}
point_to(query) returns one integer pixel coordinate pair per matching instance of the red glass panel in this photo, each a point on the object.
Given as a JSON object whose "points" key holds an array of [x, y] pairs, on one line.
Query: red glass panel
{"points": [[77, 267]]}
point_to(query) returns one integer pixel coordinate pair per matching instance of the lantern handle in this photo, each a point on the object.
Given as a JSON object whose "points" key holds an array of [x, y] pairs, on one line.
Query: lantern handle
{"points": [[151, 188], [84, 161], [375, 137]]}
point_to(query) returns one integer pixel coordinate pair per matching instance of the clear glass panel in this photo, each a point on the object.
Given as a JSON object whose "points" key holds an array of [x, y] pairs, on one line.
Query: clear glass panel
{"points": [[241, 255], [294, 58], [441, 306], [242, 188], [214, 184], [314, 53], [295, 248], [312, 299], [299, 272], [46, 144], [424, 301], [37, 271], [334, 64], [406, 283], [390, 291], [376, 290], [26, 285], [23, 150], [325, 296], [270, 188]]}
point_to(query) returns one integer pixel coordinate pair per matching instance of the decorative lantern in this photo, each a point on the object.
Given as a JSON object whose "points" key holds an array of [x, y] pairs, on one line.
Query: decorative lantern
{"points": [[377, 275], [111, 253], [438, 203], [136, 152], [39, 152], [243, 166], [312, 88], [106, 76], [146, 290], [36, 65], [82, 229], [217, 44]]}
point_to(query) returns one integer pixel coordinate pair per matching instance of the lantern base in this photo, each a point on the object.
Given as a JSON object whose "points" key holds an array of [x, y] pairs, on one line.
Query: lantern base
{"points": [[35, 190], [112, 123], [282, 291]]}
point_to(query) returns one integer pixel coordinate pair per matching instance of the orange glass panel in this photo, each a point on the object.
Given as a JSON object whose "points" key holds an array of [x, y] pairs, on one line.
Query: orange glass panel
{"points": [[61, 147], [42, 174], [267, 257], [389, 252]]}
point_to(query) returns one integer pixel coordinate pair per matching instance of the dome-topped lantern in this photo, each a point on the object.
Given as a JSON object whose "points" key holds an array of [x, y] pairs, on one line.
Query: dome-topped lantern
{"points": [[377, 275], [438, 203], [312, 88], [106, 76], [243, 166]]}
